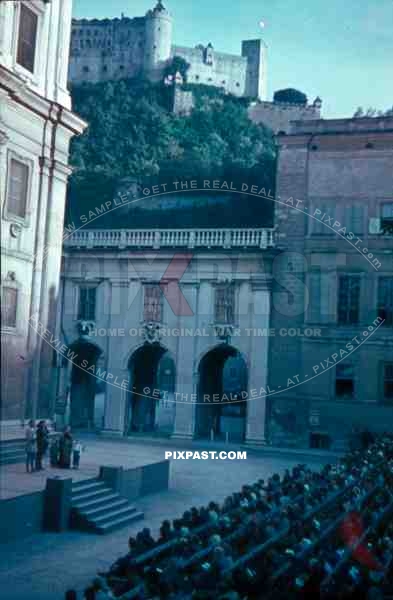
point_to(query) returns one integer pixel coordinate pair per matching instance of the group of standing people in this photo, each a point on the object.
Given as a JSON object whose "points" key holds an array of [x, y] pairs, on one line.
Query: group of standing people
{"points": [[37, 443], [64, 450]]}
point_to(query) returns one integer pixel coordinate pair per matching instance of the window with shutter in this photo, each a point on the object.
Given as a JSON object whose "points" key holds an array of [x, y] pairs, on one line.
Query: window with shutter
{"points": [[27, 38], [17, 188], [224, 309], [152, 306], [9, 303], [354, 218], [348, 299], [318, 225], [87, 303], [385, 300]]}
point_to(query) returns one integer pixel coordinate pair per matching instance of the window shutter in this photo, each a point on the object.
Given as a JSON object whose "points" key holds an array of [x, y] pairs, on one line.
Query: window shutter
{"points": [[358, 218], [314, 306], [17, 188]]}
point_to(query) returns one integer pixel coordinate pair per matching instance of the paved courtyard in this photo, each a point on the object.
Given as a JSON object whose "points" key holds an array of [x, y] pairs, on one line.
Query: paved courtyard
{"points": [[43, 566]]}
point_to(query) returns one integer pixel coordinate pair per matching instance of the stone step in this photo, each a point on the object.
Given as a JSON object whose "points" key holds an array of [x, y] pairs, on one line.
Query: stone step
{"points": [[12, 452], [128, 509], [107, 506], [90, 495], [119, 522], [83, 506], [90, 485]]}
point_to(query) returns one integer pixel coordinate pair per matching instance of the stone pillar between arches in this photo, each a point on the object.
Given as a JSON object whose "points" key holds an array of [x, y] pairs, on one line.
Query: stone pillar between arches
{"points": [[258, 368]]}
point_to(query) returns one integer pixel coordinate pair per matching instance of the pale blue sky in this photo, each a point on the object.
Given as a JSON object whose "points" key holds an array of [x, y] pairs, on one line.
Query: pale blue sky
{"points": [[341, 50]]}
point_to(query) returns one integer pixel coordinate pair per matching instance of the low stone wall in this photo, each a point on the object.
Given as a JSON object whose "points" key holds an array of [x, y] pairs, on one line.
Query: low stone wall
{"points": [[133, 483], [49, 509]]}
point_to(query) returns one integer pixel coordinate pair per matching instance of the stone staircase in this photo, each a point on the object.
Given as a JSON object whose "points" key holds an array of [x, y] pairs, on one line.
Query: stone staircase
{"points": [[99, 509], [12, 452]]}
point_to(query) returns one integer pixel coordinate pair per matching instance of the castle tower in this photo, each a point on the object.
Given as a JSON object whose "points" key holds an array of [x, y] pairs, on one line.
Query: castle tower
{"points": [[158, 40], [256, 53]]}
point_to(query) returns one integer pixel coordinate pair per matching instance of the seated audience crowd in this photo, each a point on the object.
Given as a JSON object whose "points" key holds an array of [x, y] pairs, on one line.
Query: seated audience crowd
{"points": [[305, 534]]}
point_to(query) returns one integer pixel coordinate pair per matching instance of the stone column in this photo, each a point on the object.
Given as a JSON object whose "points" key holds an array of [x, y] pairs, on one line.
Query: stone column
{"points": [[117, 376], [257, 383], [185, 396], [51, 265]]}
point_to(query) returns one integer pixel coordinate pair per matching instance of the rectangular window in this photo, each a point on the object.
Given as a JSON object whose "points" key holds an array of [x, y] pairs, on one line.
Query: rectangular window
{"points": [[348, 299], [152, 305], [87, 303], [9, 302], [224, 309], [354, 218], [388, 383], [344, 382], [314, 298], [387, 217], [27, 38], [17, 188], [385, 299], [327, 213]]}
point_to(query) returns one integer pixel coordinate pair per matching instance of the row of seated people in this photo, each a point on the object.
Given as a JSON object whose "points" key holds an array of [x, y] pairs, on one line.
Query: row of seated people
{"points": [[291, 536]]}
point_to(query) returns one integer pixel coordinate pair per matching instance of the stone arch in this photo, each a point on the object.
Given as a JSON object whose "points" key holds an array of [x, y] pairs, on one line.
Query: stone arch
{"points": [[152, 381], [219, 411], [85, 406]]}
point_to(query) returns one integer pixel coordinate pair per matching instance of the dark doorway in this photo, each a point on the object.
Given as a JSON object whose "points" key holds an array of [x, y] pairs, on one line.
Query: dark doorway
{"points": [[83, 384], [222, 381], [144, 367]]}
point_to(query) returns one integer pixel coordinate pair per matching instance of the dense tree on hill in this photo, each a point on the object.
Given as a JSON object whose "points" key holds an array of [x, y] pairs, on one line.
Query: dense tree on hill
{"points": [[133, 134], [178, 64], [290, 95]]}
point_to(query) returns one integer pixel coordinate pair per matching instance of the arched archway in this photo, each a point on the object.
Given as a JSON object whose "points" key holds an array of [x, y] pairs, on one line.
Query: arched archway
{"points": [[152, 385], [84, 385], [222, 378]]}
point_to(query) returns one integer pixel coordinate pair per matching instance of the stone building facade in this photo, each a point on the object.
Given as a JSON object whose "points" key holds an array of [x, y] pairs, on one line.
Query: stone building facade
{"points": [[36, 126], [108, 49], [160, 324], [333, 372], [279, 115]]}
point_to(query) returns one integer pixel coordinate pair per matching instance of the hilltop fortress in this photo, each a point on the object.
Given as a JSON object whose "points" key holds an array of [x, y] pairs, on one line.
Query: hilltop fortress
{"points": [[107, 49]]}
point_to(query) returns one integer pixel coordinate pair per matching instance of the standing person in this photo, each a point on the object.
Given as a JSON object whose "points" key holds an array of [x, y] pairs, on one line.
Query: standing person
{"points": [[31, 446], [42, 444], [76, 454], [66, 448]]}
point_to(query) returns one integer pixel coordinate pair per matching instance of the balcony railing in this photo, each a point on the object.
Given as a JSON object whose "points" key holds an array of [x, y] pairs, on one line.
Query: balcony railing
{"points": [[171, 238]]}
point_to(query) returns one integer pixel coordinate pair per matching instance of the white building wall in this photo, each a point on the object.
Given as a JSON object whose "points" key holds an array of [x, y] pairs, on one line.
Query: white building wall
{"points": [[36, 126]]}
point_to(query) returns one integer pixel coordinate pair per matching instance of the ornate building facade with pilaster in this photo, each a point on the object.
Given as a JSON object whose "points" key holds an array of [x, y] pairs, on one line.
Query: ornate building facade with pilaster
{"points": [[158, 331], [36, 126]]}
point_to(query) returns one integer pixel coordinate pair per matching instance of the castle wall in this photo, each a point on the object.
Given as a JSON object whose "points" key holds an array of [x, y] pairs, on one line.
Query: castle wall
{"points": [[278, 115], [107, 49], [111, 49], [227, 70]]}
